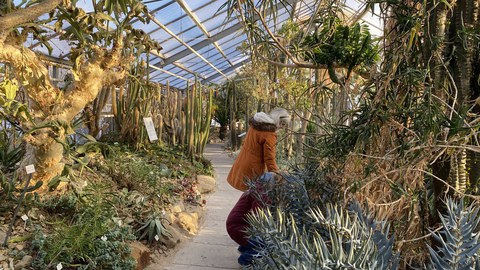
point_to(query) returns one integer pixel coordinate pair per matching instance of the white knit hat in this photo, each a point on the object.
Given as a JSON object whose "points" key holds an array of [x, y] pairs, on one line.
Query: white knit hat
{"points": [[279, 116]]}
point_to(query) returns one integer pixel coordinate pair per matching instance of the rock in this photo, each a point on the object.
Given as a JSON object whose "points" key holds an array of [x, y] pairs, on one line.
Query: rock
{"points": [[24, 262], [206, 184], [170, 217], [129, 220], [174, 239], [188, 221], [164, 170], [2, 236], [141, 254], [34, 213], [177, 208]]}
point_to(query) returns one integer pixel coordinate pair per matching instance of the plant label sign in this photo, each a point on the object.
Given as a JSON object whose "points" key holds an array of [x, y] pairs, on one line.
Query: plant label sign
{"points": [[59, 266], [30, 169], [24, 217], [152, 133]]}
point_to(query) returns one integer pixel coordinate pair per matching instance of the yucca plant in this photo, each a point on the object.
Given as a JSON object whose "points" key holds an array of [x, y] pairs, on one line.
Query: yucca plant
{"points": [[458, 243]]}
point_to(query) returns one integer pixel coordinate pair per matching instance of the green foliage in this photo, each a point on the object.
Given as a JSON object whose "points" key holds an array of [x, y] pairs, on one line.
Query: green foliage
{"points": [[11, 193], [458, 243], [336, 239], [155, 171], [88, 240], [106, 251], [10, 154], [137, 102], [135, 172], [63, 205], [283, 191], [152, 229], [7, 195], [221, 108], [87, 30], [12, 109], [321, 189], [340, 140], [342, 45]]}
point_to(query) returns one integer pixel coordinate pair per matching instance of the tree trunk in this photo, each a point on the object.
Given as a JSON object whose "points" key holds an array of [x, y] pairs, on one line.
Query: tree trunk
{"points": [[52, 109]]}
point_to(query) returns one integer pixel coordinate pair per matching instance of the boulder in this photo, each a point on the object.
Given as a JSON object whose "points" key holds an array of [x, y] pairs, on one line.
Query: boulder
{"points": [[174, 239], [2, 236], [25, 262], [188, 221], [206, 184], [141, 254], [178, 207]]}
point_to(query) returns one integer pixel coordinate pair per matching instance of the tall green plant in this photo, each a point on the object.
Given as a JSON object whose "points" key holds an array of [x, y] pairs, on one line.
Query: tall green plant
{"points": [[135, 102], [198, 117]]}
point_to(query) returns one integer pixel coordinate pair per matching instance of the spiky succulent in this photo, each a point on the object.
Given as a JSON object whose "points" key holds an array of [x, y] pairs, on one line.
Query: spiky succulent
{"points": [[458, 240]]}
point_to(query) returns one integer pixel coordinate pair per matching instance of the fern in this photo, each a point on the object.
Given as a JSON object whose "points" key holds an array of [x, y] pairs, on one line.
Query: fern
{"points": [[458, 240]]}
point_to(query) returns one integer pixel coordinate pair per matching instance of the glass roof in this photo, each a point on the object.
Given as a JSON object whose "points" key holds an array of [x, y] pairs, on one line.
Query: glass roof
{"points": [[198, 40]]}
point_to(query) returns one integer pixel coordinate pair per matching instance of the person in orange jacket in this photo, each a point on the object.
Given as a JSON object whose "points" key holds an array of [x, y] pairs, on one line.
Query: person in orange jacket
{"points": [[257, 155]]}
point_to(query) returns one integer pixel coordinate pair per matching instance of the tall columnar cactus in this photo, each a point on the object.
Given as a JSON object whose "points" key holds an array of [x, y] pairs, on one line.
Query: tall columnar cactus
{"points": [[458, 170], [198, 102], [170, 113], [157, 111], [197, 117], [134, 103], [207, 117], [189, 121]]}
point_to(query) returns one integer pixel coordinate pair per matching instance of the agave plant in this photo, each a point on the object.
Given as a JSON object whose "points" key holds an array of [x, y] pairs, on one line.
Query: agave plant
{"points": [[283, 191], [458, 240], [292, 235], [152, 229], [337, 239]]}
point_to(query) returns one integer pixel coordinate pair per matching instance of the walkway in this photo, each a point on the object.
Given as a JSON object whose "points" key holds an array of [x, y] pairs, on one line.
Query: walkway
{"points": [[212, 248]]}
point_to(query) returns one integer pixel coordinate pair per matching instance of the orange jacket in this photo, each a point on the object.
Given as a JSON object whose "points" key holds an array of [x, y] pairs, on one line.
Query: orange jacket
{"points": [[257, 155]]}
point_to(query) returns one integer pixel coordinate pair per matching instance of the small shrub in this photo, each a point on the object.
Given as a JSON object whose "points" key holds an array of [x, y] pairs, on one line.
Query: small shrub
{"points": [[88, 240], [86, 251], [60, 204]]}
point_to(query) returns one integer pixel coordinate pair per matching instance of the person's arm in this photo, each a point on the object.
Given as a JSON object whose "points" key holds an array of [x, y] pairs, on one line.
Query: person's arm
{"points": [[269, 152]]}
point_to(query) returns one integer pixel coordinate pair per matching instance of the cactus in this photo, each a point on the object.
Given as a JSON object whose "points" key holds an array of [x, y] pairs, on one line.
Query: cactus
{"points": [[134, 102], [170, 113], [205, 130], [198, 116], [181, 130], [196, 119], [191, 122], [458, 170]]}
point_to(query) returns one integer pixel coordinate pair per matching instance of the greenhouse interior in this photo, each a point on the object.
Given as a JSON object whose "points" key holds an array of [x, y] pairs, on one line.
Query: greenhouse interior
{"points": [[239, 134]]}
